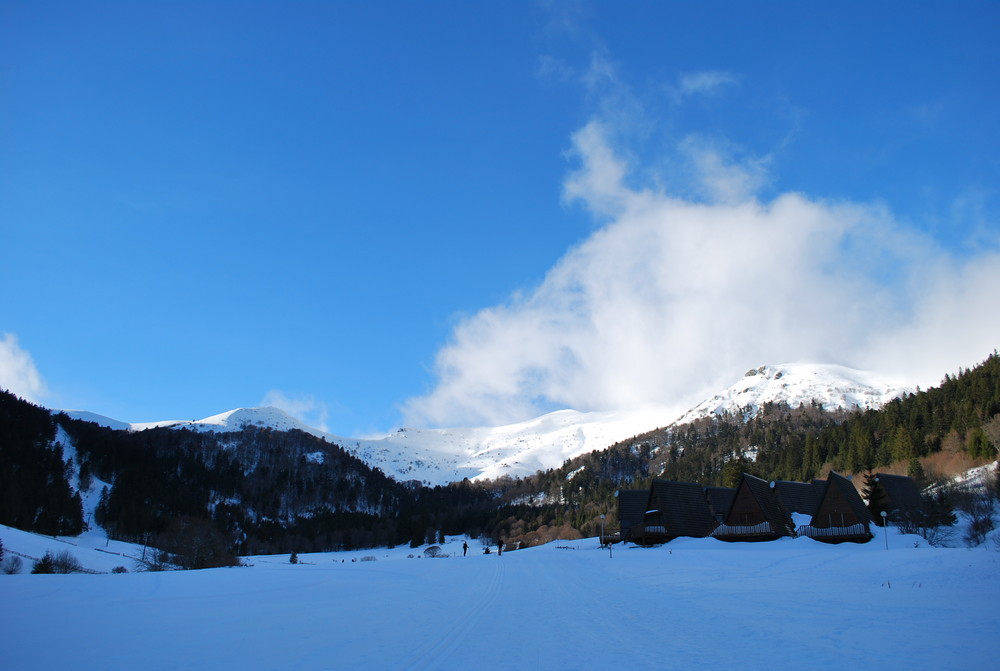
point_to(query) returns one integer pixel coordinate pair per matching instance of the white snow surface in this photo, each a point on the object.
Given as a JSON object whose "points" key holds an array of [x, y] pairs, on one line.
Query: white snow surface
{"points": [[99, 419], [832, 386], [439, 456], [693, 603]]}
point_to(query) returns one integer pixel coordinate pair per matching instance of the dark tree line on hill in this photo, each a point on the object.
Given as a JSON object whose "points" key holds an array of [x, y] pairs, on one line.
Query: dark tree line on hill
{"points": [[205, 497], [34, 491]]}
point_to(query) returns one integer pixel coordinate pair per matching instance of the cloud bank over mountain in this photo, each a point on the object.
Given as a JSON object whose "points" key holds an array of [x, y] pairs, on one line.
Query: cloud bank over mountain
{"points": [[670, 295], [18, 373]]}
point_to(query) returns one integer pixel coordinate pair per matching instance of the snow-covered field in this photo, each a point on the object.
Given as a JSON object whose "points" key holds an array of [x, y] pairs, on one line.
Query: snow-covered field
{"points": [[691, 603]]}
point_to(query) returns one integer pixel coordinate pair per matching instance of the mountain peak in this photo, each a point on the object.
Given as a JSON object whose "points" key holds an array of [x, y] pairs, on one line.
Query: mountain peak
{"points": [[830, 385], [268, 416]]}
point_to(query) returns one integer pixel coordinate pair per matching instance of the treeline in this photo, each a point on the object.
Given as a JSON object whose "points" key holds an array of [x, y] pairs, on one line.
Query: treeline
{"points": [[35, 493], [265, 491]]}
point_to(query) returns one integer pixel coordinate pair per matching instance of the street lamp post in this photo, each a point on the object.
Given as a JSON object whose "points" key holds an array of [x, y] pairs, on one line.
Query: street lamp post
{"points": [[610, 545], [885, 529]]}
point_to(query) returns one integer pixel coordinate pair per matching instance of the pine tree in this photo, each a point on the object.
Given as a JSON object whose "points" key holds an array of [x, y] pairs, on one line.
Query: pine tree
{"points": [[860, 451], [901, 444], [44, 565], [733, 470], [916, 472], [979, 445], [877, 499]]}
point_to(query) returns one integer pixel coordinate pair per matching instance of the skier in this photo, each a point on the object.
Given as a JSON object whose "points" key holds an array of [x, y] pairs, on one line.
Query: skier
{"points": [[499, 547], [465, 548]]}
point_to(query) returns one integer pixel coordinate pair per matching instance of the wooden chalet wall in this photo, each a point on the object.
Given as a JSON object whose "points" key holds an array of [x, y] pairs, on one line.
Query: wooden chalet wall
{"points": [[745, 510], [756, 514], [840, 506]]}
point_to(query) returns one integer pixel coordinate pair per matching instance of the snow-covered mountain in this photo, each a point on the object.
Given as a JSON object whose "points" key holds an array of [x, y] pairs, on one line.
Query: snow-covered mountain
{"points": [[548, 441], [832, 386], [233, 420], [438, 456], [446, 455]]}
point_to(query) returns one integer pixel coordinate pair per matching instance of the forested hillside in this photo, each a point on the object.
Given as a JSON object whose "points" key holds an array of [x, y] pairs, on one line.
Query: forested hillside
{"points": [[247, 492], [34, 492]]}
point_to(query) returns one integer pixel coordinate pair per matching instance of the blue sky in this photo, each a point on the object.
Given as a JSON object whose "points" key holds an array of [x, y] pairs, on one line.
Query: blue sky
{"points": [[442, 213]]}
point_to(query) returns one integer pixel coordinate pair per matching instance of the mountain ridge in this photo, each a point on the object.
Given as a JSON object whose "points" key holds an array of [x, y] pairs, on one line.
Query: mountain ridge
{"points": [[441, 455]]}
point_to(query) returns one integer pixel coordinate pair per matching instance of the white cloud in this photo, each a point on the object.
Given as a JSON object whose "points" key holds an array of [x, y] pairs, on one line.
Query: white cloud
{"points": [[600, 181], [704, 82], [304, 407], [717, 175], [672, 298], [18, 374]]}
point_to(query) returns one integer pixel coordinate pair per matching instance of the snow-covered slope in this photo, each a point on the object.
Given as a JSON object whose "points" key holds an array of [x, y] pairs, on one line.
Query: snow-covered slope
{"points": [[85, 416], [520, 449], [548, 441], [438, 456]]}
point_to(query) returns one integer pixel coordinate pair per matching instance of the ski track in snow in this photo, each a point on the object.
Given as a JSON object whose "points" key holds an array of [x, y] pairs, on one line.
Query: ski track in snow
{"points": [[438, 651]]}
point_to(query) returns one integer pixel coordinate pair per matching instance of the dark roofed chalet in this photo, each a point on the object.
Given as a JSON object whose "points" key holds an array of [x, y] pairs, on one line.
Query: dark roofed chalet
{"points": [[756, 514], [674, 509], [797, 497], [840, 515], [902, 500], [631, 506], [719, 500]]}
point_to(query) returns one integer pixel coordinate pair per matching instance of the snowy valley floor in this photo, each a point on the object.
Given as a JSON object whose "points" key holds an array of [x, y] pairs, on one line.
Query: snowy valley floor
{"points": [[567, 605]]}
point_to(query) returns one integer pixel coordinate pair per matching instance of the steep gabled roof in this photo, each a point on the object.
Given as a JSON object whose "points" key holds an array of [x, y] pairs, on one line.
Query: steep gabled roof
{"points": [[719, 499], [682, 507], [631, 506], [774, 512], [903, 494], [797, 497]]}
